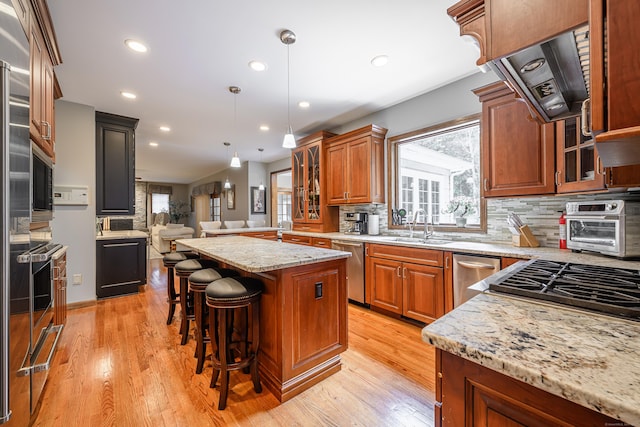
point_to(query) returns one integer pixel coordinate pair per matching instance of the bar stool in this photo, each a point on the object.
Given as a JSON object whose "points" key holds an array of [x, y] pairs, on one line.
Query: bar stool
{"points": [[223, 296], [169, 261], [198, 283], [183, 270]]}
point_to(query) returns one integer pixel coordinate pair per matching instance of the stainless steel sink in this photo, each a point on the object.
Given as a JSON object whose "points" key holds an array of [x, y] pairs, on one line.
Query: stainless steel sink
{"points": [[417, 240]]}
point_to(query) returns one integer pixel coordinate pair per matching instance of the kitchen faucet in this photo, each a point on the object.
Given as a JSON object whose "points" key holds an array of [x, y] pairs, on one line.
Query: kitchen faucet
{"points": [[428, 228]]}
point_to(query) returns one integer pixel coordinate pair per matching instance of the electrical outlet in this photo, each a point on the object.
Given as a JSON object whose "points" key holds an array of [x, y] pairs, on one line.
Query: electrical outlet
{"points": [[77, 279]]}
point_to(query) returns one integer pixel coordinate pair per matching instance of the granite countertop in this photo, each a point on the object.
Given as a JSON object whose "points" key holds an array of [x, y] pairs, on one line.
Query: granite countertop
{"points": [[122, 234], [587, 358], [222, 231], [501, 249], [257, 255]]}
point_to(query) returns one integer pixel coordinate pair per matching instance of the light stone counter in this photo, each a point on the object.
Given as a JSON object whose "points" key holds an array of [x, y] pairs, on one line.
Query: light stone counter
{"points": [[122, 234], [257, 255], [587, 358]]}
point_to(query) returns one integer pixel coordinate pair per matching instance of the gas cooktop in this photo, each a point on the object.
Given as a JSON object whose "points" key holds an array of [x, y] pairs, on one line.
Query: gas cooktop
{"points": [[614, 291]]}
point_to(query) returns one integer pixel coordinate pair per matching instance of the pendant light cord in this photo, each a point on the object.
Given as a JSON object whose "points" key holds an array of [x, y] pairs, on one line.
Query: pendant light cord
{"points": [[288, 91]]}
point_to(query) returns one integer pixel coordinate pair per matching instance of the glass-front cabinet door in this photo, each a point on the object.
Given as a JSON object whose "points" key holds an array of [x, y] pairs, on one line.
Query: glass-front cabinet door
{"points": [[578, 164], [306, 184], [313, 183], [298, 184]]}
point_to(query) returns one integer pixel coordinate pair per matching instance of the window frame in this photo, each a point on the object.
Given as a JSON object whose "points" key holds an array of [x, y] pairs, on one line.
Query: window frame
{"points": [[394, 186]]}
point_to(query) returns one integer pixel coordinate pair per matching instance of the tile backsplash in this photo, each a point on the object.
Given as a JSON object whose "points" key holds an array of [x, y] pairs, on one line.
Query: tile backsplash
{"points": [[540, 213]]}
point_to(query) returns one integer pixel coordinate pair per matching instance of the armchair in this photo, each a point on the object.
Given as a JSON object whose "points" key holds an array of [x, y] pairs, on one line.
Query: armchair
{"points": [[163, 235]]}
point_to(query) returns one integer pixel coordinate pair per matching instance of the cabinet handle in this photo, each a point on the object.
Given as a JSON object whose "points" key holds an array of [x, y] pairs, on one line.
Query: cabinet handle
{"points": [[446, 262], [585, 126], [598, 166], [557, 179], [404, 273], [486, 184], [47, 136], [366, 251], [115, 245], [398, 272]]}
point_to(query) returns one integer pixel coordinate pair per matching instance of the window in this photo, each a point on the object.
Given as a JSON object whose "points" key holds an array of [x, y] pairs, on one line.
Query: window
{"points": [[159, 203], [284, 206], [432, 166], [214, 207]]}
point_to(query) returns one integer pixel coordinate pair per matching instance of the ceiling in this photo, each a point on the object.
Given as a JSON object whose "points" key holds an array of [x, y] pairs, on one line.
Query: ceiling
{"points": [[198, 48]]}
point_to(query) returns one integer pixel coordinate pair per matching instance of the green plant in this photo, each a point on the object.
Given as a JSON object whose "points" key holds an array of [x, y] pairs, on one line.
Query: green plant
{"points": [[460, 206], [178, 209]]}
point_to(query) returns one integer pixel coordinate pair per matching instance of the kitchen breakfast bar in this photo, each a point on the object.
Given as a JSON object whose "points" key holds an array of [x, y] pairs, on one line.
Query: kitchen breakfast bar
{"points": [[303, 315]]}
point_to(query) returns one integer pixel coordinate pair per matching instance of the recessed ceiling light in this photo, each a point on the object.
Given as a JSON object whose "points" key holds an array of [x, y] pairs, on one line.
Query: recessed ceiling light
{"points": [[135, 45], [264, 128], [128, 95], [380, 60], [303, 104], [153, 144], [257, 66], [165, 128]]}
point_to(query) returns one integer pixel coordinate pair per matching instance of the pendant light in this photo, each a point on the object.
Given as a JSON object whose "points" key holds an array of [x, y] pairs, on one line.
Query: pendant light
{"points": [[235, 90], [227, 184], [288, 37], [261, 186]]}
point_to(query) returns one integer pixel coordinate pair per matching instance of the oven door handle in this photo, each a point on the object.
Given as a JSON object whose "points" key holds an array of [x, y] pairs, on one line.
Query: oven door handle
{"points": [[587, 218], [475, 265], [47, 364]]}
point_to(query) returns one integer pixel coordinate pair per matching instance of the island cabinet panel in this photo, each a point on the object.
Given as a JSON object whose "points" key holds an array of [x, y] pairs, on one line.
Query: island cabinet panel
{"points": [[120, 266], [115, 164], [473, 395], [303, 326], [518, 154]]}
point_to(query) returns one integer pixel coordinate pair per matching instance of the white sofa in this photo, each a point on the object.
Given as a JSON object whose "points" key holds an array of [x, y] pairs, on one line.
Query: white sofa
{"points": [[162, 235], [209, 225]]}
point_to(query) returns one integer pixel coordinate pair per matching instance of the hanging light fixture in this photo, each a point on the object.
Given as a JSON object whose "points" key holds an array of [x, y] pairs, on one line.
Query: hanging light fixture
{"points": [[227, 184], [288, 37], [235, 90], [261, 186]]}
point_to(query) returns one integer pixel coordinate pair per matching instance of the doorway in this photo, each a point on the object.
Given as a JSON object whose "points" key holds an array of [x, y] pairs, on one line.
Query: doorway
{"points": [[281, 198]]}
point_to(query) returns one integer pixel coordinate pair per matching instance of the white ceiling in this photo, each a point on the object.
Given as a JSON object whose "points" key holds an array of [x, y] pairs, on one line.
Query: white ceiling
{"points": [[198, 48]]}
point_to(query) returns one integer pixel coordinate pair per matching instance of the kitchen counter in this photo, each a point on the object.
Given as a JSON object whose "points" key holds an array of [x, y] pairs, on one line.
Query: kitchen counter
{"points": [[122, 234], [257, 255], [225, 231], [587, 358], [488, 248], [303, 308]]}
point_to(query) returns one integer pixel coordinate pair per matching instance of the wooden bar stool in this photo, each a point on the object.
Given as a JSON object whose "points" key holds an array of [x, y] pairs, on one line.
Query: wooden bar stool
{"points": [[224, 296], [169, 261], [198, 283], [183, 270]]}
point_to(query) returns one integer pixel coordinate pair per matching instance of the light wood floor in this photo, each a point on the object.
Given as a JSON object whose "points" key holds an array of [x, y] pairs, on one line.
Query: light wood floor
{"points": [[119, 364]]}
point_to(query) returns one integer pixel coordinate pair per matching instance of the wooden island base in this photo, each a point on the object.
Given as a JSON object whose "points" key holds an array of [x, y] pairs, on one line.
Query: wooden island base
{"points": [[303, 326]]}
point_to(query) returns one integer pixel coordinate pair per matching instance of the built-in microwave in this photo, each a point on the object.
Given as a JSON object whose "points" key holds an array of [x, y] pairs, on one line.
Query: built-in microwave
{"points": [[41, 185]]}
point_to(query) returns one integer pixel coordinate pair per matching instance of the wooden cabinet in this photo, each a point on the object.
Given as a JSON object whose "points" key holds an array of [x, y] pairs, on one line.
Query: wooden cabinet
{"points": [[355, 167], [469, 394], [60, 289], [321, 242], [44, 55], [121, 266], [615, 80], [308, 175], [517, 153], [502, 27], [266, 235], [507, 261], [300, 240], [115, 164], [406, 281]]}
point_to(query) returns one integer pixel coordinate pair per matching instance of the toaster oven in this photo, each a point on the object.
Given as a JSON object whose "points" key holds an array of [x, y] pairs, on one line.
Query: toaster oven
{"points": [[609, 227]]}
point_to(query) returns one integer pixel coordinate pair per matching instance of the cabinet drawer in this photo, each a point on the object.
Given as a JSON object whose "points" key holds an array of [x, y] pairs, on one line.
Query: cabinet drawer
{"points": [[267, 235], [300, 240], [321, 242], [401, 253]]}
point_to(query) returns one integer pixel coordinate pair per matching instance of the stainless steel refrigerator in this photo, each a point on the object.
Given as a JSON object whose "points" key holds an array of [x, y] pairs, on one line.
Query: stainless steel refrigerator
{"points": [[15, 156]]}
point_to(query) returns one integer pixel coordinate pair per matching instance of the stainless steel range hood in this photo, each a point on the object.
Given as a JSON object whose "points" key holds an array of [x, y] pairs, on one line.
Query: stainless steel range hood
{"points": [[552, 76]]}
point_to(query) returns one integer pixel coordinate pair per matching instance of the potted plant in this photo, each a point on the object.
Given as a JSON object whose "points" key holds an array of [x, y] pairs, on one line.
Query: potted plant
{"points": [[460, 207], [178, 209]]}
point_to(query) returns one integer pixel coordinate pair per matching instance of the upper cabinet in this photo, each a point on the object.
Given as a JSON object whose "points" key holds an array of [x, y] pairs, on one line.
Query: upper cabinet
{"points": [[45, 55], [355, 166], [309, 204], [517, 153], [615, 80], [115, 164]]}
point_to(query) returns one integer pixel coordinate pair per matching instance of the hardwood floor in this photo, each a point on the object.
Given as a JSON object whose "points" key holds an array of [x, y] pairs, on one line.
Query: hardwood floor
{"points": [[119, 364]]}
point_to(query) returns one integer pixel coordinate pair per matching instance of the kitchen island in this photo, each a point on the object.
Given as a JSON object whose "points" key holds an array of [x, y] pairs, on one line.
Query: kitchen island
{"points": [[303, 315], [499, 349]]}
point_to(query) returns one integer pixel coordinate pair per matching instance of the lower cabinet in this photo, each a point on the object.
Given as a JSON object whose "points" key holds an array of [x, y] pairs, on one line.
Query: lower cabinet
{"points": [[120, 266], [320, 242], [60, 289], [265, 235], [406, 281], [469, 394]]}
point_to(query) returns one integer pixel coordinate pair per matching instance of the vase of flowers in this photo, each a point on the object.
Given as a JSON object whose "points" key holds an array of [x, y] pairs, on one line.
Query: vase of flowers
{"points": [[460, 207]]}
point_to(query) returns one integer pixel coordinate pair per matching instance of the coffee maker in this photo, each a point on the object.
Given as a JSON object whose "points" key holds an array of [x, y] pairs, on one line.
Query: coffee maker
{"points": [[359, 222]]}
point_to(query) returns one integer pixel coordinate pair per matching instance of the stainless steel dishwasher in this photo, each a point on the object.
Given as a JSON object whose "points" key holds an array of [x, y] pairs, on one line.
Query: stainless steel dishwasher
{"points": [[468, 270], [355, 268]]}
